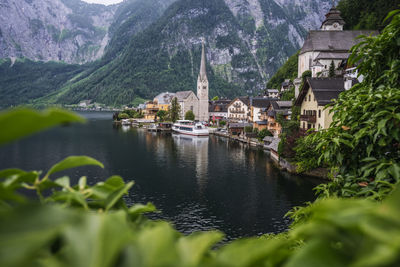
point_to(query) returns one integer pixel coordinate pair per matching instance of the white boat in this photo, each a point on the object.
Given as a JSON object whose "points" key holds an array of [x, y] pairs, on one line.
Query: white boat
{"points": [[190, 128]]}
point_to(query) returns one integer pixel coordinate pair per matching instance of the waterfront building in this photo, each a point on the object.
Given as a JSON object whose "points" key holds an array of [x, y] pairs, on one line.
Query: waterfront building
{"points": [[283, 108], [160, 102], [239, 109], [315, 95], [218, 109], [256, 105]]}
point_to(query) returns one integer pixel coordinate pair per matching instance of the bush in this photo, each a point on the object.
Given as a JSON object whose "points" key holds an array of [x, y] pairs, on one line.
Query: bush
{"points": [[263, 133], [248, 129], [189, 115], [222, 123], [123, 116]]}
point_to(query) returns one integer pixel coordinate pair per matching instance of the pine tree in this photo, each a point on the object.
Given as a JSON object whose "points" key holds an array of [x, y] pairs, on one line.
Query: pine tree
{"points": [[174, 110], [332, 70]]}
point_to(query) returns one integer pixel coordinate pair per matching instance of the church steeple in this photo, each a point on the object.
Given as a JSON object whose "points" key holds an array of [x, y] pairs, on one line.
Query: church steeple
{"points": [[333, 20], [203, 72], [202, 88]]}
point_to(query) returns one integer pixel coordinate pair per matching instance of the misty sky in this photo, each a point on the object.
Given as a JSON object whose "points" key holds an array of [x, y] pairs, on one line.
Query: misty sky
{"points": [[104, 2]]}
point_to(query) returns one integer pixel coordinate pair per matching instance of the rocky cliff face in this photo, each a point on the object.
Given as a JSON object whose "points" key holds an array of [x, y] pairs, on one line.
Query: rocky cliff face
{"points": [[246, 40], [146, 47], [59, 30]]}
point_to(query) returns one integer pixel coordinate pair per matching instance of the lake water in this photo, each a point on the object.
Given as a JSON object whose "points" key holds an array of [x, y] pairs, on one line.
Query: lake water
{"points": [[196, 183]]}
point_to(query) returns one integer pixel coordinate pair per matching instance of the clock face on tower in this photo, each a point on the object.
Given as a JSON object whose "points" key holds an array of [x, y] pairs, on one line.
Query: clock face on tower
{"points": [[335, 25]]}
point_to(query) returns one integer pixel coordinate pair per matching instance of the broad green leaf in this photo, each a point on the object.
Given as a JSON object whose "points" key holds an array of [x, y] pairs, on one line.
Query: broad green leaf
{"points": [[29, 231], [139, 209], [63, 182], [73, 162], [21, 122], [193, 248], [97, 240], [9, 172], [117, 195], [69, 198]]}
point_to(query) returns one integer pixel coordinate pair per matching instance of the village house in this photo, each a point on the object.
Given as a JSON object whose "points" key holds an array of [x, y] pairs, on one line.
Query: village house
{"points": [[239, 109], [256, 106], [238, 129], [315, 95], [272, 93], [275, 108], [160, 102], [218, 109], [286, 85], [329, 44]]}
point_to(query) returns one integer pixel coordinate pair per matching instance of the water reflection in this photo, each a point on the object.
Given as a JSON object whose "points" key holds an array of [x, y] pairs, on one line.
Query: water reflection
{"points": [[196, 183], [195, 150]]}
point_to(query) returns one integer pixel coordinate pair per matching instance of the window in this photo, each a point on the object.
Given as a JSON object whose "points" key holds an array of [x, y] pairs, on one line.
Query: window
{"points": [[204, 87], [309, 98], [304, 125], [304, 112], [319, 113], [191, 108]]}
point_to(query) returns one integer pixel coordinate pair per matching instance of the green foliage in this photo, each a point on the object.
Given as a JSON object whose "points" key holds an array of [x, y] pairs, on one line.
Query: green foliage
{"points": [[287, 71], [26, 80], [162, 114], [222, 123], [331, 70], [366, 14], [263, 133], [248, 129], [215, 98], [364, 138], [174, 110], [189, 115], [123, 116], [305, 154], [288, 95]]}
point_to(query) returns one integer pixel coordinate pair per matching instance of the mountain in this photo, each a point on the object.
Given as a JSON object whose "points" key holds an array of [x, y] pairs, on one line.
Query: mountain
{"points": [[71, 31], [247, 40], [60, 30]]}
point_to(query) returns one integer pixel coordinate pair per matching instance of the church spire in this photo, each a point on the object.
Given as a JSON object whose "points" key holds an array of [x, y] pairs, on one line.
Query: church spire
{"points": [[203, 72]]}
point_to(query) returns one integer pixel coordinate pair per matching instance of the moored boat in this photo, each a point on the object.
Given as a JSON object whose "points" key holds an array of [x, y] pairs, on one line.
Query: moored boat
{"points": [[190, 128]]}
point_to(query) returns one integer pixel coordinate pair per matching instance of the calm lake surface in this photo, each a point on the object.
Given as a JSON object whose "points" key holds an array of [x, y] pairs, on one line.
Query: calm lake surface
{"points": [[196, 183]]}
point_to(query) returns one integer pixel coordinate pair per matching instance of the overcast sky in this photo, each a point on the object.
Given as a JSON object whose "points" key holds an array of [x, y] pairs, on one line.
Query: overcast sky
{"points": [[104, 2]]}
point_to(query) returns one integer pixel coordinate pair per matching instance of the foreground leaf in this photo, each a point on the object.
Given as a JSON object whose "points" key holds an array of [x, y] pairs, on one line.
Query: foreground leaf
{"points": [[21, 122]]}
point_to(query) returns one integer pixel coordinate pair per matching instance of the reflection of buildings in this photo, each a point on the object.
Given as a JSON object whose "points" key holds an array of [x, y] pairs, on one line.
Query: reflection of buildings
{"points": [[194, 150]]}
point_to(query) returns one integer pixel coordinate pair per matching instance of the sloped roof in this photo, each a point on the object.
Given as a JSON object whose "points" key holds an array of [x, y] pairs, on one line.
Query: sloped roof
{"points": [[332, 55], [164, 98], [284, 104], [182, 95], [272, 91], [219, 106], [332, 41], [324, 89], [244, 99], [260, 102], [332, 17]]}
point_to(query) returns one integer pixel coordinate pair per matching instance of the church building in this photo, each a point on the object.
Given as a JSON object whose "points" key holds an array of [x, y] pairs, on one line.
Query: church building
{"points": [[202, 89]]}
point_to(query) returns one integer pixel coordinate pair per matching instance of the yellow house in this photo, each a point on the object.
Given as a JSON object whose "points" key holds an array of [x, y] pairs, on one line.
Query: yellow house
{"points": [[160, 102], [314, 96]]}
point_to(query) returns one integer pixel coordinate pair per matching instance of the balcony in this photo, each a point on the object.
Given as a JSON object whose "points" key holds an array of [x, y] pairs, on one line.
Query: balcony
{"points": [[309, 118]]}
